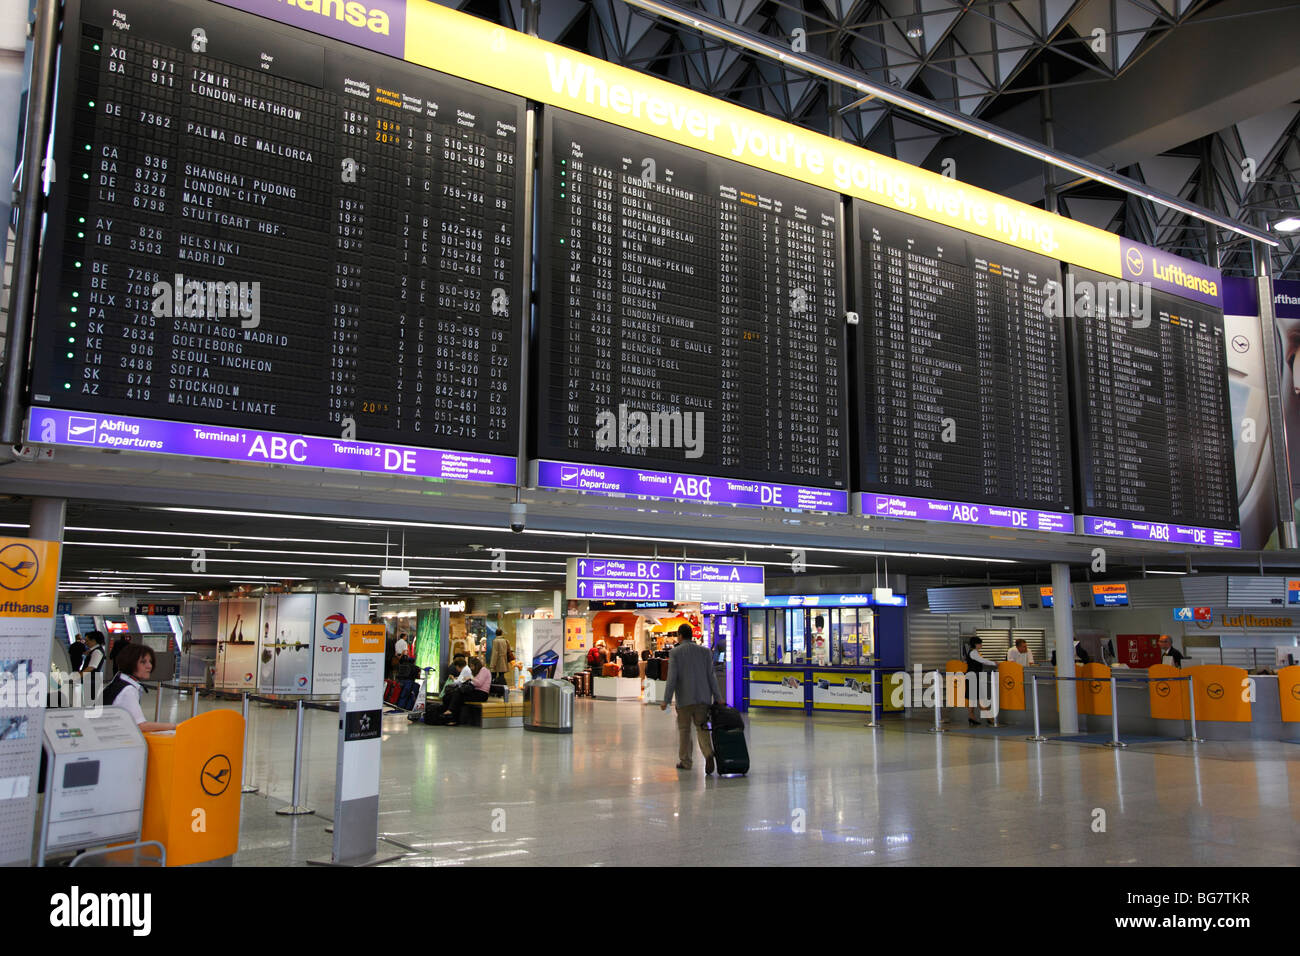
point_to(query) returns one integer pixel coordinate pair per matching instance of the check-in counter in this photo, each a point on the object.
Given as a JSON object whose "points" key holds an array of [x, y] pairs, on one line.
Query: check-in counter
{"points": [[1230, 704]]}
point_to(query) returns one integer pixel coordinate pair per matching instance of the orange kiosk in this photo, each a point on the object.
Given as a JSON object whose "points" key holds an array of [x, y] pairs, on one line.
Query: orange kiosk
{"points": [[192, 788]]}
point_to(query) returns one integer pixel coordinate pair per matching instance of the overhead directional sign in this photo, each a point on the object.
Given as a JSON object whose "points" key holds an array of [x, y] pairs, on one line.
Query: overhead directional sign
{"points": [[722, 583], [602, 579], [1182, 614]]}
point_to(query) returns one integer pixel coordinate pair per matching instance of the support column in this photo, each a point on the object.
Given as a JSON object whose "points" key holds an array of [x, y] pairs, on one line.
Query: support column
{"points": [[1063, 624], [45, 522]]}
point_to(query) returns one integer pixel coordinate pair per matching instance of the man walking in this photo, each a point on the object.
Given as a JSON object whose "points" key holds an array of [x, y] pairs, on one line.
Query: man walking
{"points": [[691, 678]]}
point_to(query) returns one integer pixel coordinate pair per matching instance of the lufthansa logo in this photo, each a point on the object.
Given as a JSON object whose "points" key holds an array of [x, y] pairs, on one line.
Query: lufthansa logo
{"points": [[1162, 689], [1214, 691], [1295, 691], [19, 567], [215, 777], [1240, 343], [1095, 686], [1009, 682], [1135, 261]]}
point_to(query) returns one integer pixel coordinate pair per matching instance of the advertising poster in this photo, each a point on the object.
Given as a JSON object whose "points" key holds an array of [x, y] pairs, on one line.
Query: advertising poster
{"points": [[238, 627], [29, 577], [1286, 306], [286, 653], [334, 612], [832, 691], [775, 689], [1251, 438]]}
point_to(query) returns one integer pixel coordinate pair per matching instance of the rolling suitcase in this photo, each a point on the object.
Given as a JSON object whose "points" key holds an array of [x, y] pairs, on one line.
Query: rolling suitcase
{"points": [[612, 670], [406, 698], [392, 691], [727, 732]]}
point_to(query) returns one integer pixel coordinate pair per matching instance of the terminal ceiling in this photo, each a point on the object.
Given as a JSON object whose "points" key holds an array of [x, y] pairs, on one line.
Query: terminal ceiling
{"points": [[1197, 98]]}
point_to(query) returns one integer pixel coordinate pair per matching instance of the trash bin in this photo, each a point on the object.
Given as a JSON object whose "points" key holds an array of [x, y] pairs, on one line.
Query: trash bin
{"points": [[551, 706]]}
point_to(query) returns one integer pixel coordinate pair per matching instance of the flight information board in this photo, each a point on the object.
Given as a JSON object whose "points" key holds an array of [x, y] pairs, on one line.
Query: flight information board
{"points": [[256, 226], [1155, 434], [679, 286], [963, 394]]}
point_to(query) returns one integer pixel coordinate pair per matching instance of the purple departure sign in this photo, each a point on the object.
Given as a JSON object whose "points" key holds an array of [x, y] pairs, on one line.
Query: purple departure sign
{"points": [[378, 25], [956, 512], [588, 590], [724, 573], [606, 480], [1170, 273], [50, 426], [1159, 531], [606, 570]]}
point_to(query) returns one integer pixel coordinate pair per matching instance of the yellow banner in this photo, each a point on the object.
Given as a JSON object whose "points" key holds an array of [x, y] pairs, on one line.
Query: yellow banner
{"points": [[461, 45], [29, 577]]}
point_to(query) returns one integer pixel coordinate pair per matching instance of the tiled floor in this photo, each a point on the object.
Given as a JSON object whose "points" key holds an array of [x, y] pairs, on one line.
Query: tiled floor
{"points": [[822, 791]]}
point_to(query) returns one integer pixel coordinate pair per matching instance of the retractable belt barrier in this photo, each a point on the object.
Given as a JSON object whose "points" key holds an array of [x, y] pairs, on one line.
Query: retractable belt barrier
{"points": [[1114, 682]]}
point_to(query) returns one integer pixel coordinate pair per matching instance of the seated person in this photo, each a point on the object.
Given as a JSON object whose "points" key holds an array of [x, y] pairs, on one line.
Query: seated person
{"points": [[134, 663], [458, 673], [475, 689]]}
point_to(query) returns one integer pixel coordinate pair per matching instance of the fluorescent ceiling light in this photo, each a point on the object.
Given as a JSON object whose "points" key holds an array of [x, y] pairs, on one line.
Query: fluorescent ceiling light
{"points": [[1287, 225]]}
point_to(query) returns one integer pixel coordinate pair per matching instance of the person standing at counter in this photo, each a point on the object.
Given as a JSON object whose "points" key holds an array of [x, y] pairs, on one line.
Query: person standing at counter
{"points": [[76, 654], [1168, 653], [691, 679], [976, 664], [1021, 654], [134, 664], [93, 664]]}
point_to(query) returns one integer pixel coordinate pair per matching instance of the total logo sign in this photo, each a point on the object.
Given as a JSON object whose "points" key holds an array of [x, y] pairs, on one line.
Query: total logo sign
{"points": [[333, 629]]}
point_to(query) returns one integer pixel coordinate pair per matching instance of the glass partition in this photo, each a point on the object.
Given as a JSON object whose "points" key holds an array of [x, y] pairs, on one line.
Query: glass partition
{"points": [[825, 637]]}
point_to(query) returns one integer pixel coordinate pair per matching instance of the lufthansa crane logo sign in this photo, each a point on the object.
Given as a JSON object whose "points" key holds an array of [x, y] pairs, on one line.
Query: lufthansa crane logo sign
{"points": [[19, 567], [1162, 689], [1135, 262], [1214, 691], [215, 777]]}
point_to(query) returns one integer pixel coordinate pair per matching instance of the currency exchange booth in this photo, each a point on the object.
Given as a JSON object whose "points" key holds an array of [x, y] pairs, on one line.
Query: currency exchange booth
{"points": [[819, 652]]}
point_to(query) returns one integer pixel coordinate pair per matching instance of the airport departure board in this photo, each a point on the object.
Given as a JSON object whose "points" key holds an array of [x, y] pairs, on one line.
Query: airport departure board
{"points": [[1154, 421], [963, 393], [255, 225], [675, 284]]}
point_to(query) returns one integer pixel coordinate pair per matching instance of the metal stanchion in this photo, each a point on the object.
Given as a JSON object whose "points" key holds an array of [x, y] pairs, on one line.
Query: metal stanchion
{"points": [[1038, 736], [157, 705], [247, 787], [294, 809], [938, 703], [996, 678], [875, 703], [1191, 703], [1115, 743], [194, 702]]}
